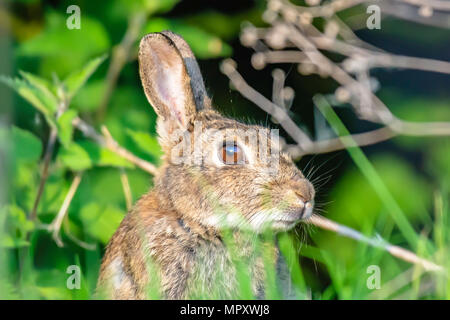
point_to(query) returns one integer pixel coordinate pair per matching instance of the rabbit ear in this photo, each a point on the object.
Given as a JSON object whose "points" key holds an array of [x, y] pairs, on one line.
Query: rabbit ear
{"points": [[166, 81], [202, 100]]}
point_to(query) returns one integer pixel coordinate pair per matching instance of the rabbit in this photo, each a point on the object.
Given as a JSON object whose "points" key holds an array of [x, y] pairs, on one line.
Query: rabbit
{"points": [[171, 243]]}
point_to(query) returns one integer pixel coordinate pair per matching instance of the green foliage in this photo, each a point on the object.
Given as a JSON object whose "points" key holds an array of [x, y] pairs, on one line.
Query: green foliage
{"points": [[17, 227], [77, 79], [369, 172], [100, 222], [401, 193], [147, 143], [62, 50], [38, 98], [89, 97], [126, 8], [65, 127], [399, 190], [86, 154], [54, 52], [203, 44], [400, 179], [27, 147]]}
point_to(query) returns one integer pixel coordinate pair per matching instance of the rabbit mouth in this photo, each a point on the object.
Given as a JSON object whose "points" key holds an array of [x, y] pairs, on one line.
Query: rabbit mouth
{"points": [[292, 217]]}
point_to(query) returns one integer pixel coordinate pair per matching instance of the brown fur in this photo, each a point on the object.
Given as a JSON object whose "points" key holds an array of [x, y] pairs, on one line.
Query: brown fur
{"points": [[171, 244]]}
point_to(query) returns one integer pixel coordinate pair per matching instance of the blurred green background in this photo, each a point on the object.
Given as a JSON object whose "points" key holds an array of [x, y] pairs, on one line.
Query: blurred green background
{"points": [[34, 39]]}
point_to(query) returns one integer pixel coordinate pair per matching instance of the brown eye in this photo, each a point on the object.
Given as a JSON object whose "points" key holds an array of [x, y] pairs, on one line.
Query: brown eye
{"points": [[231, 153]]}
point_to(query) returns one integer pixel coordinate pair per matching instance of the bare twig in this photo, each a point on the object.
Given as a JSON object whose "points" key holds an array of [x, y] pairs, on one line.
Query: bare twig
{"points": [[335, 6], [112, 145], [325, 10], [44, 175], [126, 188], [306, 145], [82, 244], [377, 242], [120, 57], [325, 146], [435, 4], [417, 15], [55, 225], [108, 141], [292, 28], [46, 161], [228, 68]]}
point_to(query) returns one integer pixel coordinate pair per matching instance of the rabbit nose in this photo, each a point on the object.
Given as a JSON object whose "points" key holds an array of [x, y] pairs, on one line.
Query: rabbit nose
{"points": [[307, 206], [308, 209]]}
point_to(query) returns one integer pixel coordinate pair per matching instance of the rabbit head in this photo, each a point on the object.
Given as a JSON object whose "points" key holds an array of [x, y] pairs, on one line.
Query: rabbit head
{"points": [[216, 171]]}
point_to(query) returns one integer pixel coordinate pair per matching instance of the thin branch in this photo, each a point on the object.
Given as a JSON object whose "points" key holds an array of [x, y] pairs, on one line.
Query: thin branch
{"points": [[306, 145], [44, 174], [285, 56], [300, 137], [112, 145], [335, 144], [435, 4], [82, 244], [405, 12], [108, 141], [377, 242], [377, 59], [294, 30], [335, 6], [47, 158], [126, 188], [55, 225], [120, 57], [358, 91], [325, 10]]}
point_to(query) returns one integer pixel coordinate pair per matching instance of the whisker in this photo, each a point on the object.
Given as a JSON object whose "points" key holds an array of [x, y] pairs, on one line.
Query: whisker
{"points": [[325, 162]]}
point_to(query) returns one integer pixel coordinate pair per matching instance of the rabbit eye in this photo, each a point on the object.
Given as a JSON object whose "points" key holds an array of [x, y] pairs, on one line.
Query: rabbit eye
{"points": [[231, 153]]}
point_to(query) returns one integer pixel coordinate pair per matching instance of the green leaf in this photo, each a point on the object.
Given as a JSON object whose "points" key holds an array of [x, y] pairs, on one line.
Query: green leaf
{"points": [[203, 44], [75, 157], [26, 146], [55, 191], [225, 26], [126, 8], [54, 293], [47, 88], [89, 97], [17, 227], [101, 222], [146, 142], [159, 6], [62, 50], [65, 127], [9, 242], [86, 154], [77, 79], [36, 97]]}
